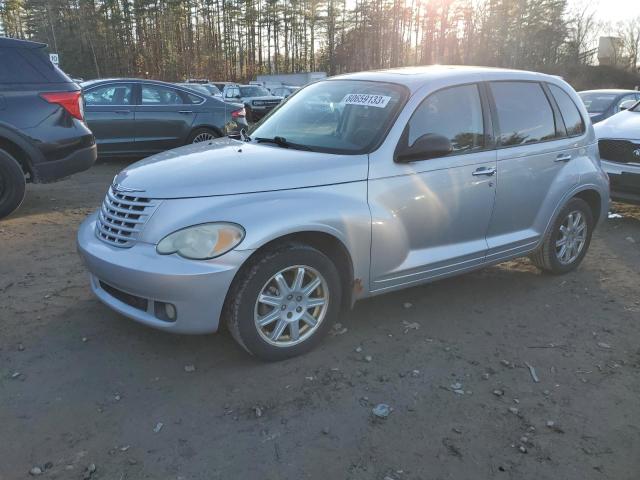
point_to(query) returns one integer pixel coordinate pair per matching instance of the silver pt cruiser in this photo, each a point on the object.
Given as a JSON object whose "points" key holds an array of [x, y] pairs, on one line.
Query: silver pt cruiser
{"points": [[357, 185]]}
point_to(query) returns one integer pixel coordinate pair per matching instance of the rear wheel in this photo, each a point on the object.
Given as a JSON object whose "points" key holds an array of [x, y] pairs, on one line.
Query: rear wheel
{"points": [[284, 303], [12, 184], [567, 242], [202, 135]]}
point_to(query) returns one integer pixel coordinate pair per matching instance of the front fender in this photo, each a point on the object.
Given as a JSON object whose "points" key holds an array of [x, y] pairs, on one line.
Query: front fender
{"points": [[337, 210]]}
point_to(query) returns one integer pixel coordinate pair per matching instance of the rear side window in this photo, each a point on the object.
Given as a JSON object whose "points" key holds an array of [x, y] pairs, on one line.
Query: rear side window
{"points": [[109, 95], [20, 71], [524, 113], [570, 114], [193, 99], [157, 95], [455, 113]]}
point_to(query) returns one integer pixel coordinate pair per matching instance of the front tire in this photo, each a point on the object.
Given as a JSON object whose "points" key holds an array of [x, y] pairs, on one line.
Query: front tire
{"points": [[12, 184], [567, 241], [284, 302]]}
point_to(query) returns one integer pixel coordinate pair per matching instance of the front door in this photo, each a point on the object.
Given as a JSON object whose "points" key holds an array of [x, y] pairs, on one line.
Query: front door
{"points": [[108, 111], [430, 216], [164, 117]]}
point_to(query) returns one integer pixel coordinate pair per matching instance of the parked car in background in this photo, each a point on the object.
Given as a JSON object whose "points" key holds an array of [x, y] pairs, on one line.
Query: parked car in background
{"points": [[409, 181], [601, 104], [42, 133], [222, 85], [619, 143], [133, 117], [257, 100], [204, 88], [284, 91]]}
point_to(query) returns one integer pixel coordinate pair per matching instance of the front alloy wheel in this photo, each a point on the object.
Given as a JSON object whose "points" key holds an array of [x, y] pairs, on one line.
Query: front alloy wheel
{"points": [[284, 301], [291, 306]]}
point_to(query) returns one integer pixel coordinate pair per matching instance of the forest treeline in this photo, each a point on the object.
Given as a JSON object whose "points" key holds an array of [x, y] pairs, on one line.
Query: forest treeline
{"points": [[238, 39]]}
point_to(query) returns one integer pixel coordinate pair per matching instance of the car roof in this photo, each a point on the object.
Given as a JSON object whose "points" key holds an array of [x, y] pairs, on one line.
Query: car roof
{"points": [[416, 77], [134, 80], [615, 91], [6, 42]]}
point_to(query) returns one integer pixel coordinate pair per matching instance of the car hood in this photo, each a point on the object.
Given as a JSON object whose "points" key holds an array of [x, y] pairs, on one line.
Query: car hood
{"points": [[621, 125], [228, 167]]}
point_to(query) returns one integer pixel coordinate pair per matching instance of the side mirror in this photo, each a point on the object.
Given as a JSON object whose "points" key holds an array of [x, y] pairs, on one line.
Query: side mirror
{"points": [[429, 145], [627, 104]]}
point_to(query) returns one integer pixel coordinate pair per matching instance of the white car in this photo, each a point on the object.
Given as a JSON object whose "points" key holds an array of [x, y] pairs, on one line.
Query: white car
{"points": [[619, 144]]}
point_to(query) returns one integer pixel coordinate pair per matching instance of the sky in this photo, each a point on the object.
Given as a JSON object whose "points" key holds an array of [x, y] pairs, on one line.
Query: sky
{"points": [[612, 10]]}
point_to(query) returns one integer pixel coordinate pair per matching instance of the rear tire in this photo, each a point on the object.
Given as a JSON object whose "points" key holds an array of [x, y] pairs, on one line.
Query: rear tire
{"points": [[274, 316], [12, 184], [567, 241], [202, 135]]}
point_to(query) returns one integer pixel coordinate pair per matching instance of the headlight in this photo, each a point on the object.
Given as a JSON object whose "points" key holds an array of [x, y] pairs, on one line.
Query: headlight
{"points": [[202, 242]]}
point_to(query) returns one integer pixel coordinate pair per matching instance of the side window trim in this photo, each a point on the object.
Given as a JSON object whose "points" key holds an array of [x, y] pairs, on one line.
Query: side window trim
{"points": [[496, 123], [555, 103], [486, 121], [558, 120]]}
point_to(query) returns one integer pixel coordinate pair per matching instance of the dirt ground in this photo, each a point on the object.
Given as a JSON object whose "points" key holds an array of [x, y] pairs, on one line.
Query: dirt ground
{"points": [[81, 385]]}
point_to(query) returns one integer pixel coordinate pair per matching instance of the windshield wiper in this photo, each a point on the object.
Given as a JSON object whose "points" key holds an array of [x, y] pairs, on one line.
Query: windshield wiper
{"points": [[282, 142]]}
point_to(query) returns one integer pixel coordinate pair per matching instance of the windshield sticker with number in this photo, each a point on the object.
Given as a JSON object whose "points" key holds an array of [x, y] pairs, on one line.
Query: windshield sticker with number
{"points": [[366, 100]]}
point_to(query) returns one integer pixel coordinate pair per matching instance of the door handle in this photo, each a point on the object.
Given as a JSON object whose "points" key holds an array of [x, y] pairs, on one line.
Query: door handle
{"points": [[122, 112], [563, 157], [489, 171], [184, 112]]}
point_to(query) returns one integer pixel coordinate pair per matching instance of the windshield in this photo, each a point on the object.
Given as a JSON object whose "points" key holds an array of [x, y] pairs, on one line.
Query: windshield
{"points": [[254, 92], [597, 102], [336, 116]]}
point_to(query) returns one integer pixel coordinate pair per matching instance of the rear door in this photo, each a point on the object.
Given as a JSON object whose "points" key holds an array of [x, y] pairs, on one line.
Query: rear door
{"points": [[163, 118], [536, 163], [109, 113]]}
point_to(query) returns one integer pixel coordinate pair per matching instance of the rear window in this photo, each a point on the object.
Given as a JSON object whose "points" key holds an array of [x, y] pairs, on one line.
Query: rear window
{"points": [[22, 70], [524, 113], [570, 114]]}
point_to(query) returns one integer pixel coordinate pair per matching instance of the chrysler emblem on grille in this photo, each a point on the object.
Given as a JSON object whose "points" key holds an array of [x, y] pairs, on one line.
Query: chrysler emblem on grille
{"points": [[636, 153], [120, 188]]}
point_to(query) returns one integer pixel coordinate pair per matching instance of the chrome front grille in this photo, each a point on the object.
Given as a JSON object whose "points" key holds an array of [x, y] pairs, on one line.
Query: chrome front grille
{"points": [[122, 217]]}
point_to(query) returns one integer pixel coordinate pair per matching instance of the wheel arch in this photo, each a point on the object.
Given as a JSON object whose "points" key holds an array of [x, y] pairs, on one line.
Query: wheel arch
{"points": [[206, 126], [328, 244], [16, 148], [593, 199]]}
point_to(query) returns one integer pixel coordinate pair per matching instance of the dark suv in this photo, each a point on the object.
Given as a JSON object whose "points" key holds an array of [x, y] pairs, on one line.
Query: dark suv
{"points": [[43, 136]]}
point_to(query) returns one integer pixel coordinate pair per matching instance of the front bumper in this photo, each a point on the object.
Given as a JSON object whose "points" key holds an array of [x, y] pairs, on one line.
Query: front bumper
{"points": [[624, 181], [136, 281]]}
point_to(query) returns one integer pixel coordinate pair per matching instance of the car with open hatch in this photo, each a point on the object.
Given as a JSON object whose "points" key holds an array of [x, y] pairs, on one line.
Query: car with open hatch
{"points": [[402, 177]]}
